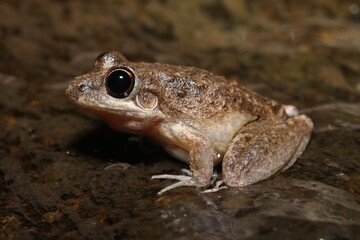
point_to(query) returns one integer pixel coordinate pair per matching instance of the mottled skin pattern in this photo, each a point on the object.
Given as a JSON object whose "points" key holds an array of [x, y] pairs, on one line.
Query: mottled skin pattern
{"points": [[190, 93], [198, 117]]}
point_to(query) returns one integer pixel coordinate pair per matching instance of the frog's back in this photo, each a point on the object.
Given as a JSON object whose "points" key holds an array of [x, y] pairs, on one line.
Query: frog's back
{"points": [[192, 93]]}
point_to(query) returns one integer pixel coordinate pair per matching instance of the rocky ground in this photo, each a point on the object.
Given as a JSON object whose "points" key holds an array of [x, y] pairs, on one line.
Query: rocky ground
{"points": [[55, 179]]}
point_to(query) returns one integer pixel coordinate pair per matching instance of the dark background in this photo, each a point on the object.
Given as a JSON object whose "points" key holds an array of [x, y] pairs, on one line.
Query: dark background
{"points": [[53, 178]]}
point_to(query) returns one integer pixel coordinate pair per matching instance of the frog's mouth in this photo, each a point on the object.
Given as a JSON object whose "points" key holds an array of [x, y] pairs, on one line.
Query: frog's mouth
{"points": [[121, 108], [122, 115], [98, 100]]}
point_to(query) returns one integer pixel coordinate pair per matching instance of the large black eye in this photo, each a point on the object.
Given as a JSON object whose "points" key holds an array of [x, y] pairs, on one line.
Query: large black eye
{"points": [[120, 82]]}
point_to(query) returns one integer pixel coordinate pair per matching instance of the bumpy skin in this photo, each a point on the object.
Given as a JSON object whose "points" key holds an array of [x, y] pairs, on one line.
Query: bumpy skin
{"points": [[263, 149], [199, 117]]}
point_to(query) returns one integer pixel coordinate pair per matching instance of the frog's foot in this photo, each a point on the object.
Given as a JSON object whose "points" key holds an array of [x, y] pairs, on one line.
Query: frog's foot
{"points": [[185, 180], [291, 111], [219, 185]]}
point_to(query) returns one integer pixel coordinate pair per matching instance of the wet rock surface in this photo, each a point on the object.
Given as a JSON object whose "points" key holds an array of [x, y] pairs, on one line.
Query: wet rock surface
{"points": [[65, 175]]}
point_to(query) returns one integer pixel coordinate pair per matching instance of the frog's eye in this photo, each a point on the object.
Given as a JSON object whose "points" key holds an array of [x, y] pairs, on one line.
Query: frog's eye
{"points": [[120, 82]]}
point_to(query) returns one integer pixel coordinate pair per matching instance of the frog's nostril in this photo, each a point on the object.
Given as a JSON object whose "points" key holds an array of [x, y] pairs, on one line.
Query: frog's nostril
{"points": [[83, 87]]}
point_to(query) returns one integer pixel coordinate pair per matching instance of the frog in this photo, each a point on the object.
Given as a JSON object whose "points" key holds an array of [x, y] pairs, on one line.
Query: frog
{"points": [[198, 117]]}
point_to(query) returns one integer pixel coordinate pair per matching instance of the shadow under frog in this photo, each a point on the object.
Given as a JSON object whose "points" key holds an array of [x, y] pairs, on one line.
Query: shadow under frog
{"points": [[198, 117]]}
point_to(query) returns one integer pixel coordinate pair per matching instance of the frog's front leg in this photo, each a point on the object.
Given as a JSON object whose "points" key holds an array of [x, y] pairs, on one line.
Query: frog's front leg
{"points": [[263, 149], [189, 145]]}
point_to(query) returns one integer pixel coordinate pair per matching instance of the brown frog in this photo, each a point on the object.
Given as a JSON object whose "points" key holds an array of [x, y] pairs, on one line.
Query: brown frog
{"points": [[198, 117]]}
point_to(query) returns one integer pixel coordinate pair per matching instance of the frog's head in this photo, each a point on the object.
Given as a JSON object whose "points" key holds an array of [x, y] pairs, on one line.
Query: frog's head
{"points": [[113, 91]]}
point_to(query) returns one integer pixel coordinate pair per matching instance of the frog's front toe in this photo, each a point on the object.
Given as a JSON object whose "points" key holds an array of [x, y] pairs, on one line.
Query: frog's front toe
{"points": [[184, 181], [218, 185]]}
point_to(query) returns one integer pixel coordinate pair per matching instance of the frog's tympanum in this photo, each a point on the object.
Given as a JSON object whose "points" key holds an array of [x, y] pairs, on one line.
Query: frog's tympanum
{"points": [[198, 117]]}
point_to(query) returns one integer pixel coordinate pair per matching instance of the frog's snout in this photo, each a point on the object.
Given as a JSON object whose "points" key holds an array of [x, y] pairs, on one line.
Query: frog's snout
{"points": [[69, 92], [75, 89]]}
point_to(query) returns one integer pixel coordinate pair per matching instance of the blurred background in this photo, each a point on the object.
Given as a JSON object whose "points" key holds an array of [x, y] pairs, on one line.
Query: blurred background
{"points": [[277, 42], [52, 179]]}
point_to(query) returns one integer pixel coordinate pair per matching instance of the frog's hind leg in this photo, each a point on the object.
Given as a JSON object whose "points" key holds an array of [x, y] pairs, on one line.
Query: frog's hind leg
{"points": [[261, 150]]}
